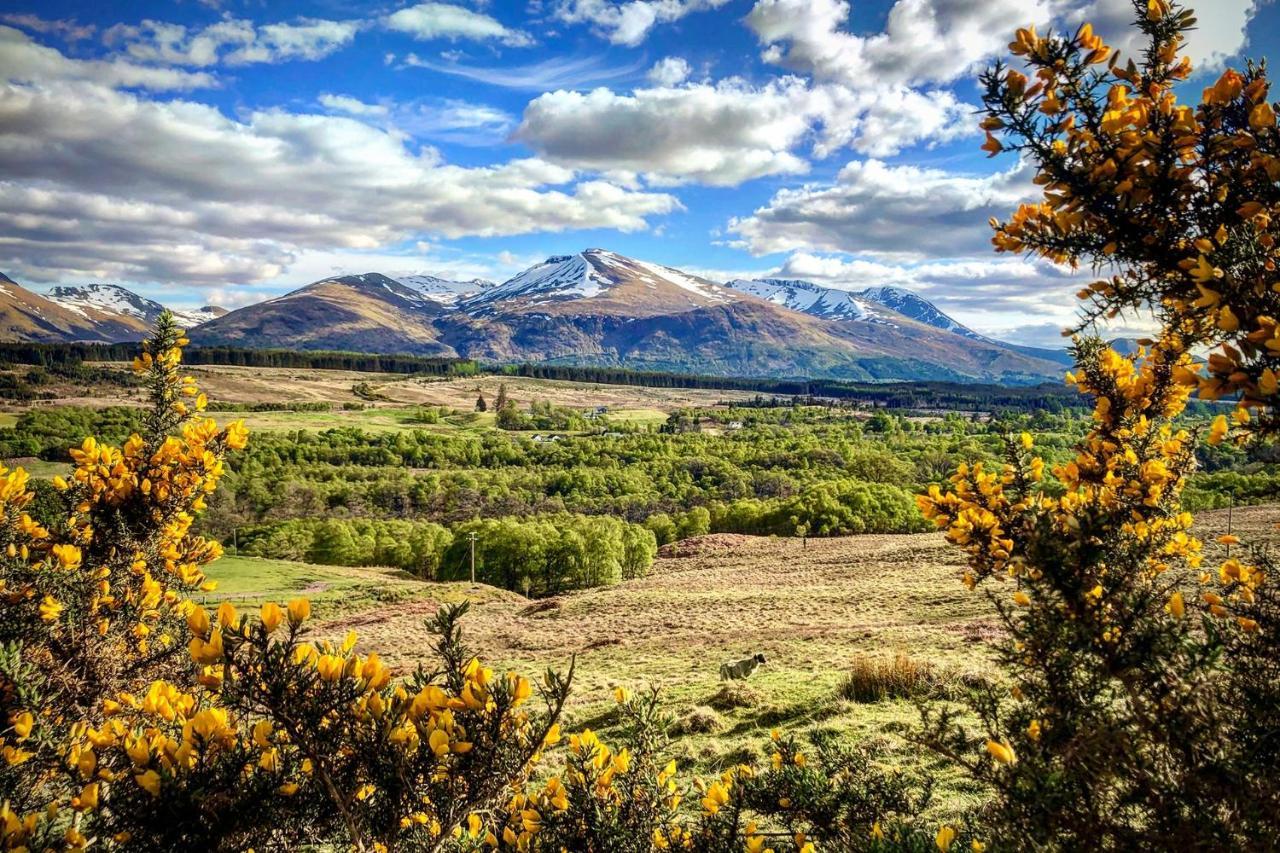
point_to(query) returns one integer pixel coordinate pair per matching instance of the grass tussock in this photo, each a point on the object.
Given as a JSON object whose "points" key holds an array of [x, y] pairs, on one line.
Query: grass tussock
{"points": [[699, 720], [733, 695], [875, 678]]}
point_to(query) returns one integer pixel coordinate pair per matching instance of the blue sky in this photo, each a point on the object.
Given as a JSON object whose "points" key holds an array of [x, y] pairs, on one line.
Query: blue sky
{"points": [[229, 150]]}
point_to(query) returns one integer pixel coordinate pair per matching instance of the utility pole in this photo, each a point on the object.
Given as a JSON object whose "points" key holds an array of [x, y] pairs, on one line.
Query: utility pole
{"points": [[1231, 508], [472, 537]]}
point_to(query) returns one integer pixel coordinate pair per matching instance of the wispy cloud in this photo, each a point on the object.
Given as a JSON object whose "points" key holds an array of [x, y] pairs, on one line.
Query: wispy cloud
{"points": [[550, 74], [67, 29]]}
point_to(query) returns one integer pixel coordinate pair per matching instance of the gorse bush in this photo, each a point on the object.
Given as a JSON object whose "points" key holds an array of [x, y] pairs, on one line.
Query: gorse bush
{"points": [[1141, 695]]}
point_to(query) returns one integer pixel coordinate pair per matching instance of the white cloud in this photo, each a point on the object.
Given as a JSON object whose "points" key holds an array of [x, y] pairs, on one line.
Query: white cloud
{"points": [[451, 120], [1220, 31], [24, 61], [924, 41], [352, 106], [67, 29], [558, 72], [428, 21], [882, 121], [892, 211], [102, 183], [671, 71], [629, 22], [719, 134], [233, 41]]}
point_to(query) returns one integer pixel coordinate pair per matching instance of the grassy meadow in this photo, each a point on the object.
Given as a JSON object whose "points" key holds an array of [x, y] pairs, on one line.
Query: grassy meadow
{"points": [[819, 612]]}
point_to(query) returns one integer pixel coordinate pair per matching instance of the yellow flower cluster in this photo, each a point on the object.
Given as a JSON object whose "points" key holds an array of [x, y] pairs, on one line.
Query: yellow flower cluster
{"points": [[1118, 170], [101, 596], [1129, 467]]}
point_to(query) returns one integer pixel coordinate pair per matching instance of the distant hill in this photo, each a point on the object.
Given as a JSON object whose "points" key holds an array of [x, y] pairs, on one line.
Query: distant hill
{"points": [[599, 307], [361, 313], [113, 304], [27, 316]]}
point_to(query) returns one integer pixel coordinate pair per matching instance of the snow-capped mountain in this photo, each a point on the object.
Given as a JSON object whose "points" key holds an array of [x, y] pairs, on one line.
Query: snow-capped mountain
{"points": [[190, 318], [106, 298], [111, 303], [874, 304], [443, 290], [811, 298], [595, 281], [918, 308]]}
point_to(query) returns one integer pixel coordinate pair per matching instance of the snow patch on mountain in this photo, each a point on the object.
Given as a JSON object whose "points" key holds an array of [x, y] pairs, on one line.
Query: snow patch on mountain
{"points": [[828, 302], [443, 290], [190, 318], [918, 308], [96, 302], [105, 298], [558, 277], [703, 288]]}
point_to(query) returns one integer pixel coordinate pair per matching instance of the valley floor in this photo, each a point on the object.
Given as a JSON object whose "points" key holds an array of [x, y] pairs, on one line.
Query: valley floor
{"points": [[811, 610]]}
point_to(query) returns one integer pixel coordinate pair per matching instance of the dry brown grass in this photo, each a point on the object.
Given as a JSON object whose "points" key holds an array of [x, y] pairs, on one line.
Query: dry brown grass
{"points": [[874, 678], [818, 614], [232, 384], [810, 611]]}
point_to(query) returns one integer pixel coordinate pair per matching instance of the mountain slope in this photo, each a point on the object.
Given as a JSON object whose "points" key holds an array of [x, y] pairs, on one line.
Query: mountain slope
{"points": [[443, 290], [363, 313], [598, 282], [599, 307], [828, 302], [27, 316], [917, 308], [128, 315]]}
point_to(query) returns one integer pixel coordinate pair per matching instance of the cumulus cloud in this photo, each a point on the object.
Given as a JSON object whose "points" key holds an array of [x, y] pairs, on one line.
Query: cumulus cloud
{"points": [[24, 61], [628, 23], [671, 71], [894, 211], [719, 134], [428, 21], [98, 182], [233, 41], [924, 41]]}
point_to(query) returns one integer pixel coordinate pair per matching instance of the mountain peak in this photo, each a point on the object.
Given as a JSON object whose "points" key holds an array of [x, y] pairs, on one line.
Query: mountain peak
{"points": [[443, 290], [800, 295], [594, 278], [910, 304], [106, 299]]}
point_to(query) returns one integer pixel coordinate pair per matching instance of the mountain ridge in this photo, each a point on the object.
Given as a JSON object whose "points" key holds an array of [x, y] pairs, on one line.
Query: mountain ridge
{"points": [[600, 307], [590, 307]]}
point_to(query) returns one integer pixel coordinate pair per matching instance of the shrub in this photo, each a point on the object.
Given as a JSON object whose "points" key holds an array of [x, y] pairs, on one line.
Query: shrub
{"points": [[734, 694], [1140, 687], [874, 678]]}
